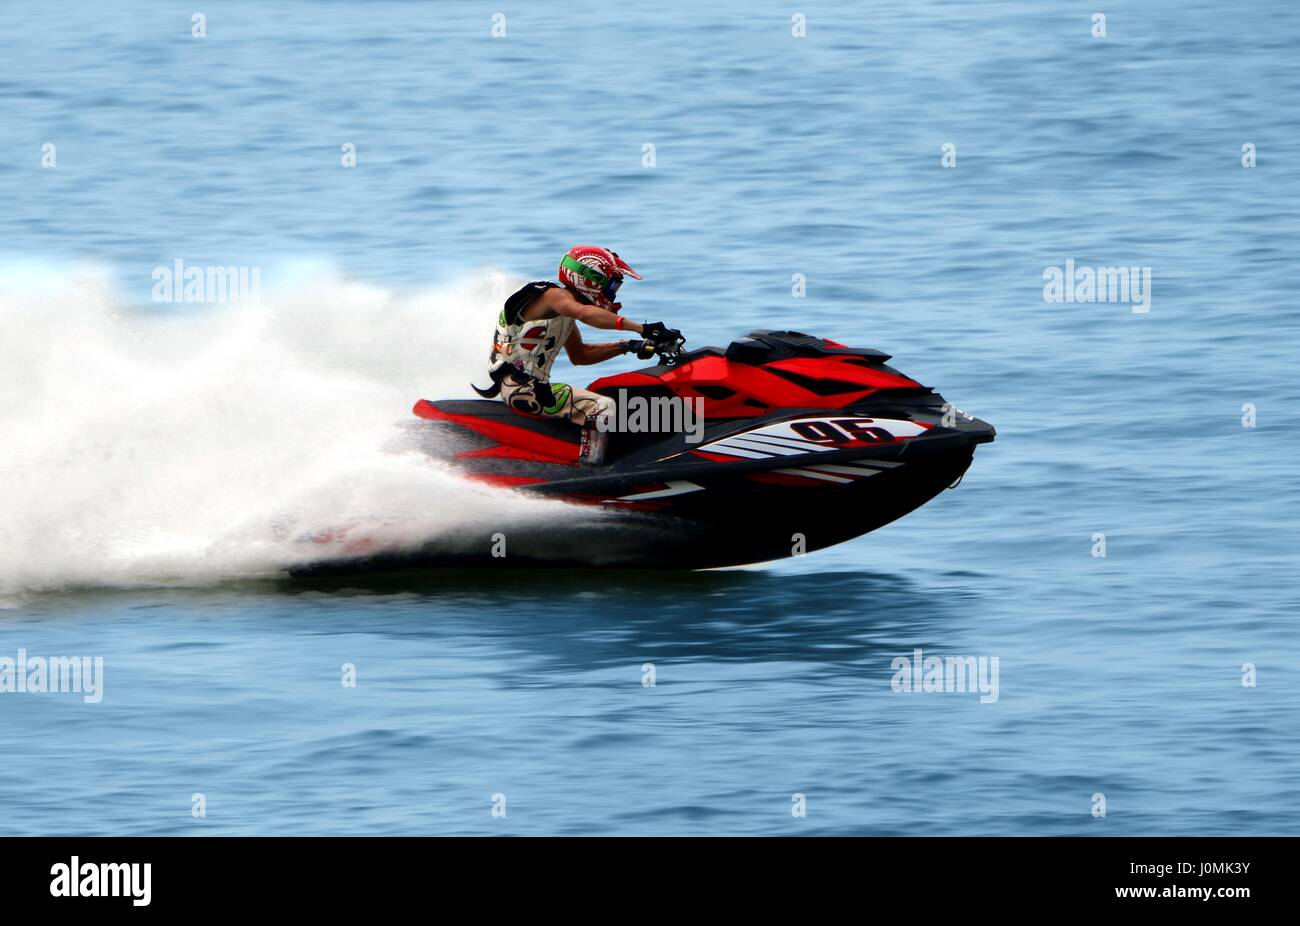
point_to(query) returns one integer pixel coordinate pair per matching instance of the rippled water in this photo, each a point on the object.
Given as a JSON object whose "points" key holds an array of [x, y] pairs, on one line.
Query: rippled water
{"points": [[148, 452]]}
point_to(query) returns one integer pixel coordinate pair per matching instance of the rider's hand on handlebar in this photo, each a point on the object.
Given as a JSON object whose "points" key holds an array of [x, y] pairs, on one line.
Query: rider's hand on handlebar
{"points": [[661, 335], [643, 350]]}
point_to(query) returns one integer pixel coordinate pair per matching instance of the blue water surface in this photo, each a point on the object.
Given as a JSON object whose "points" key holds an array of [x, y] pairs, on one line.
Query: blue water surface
{"points": [[774, 155]]}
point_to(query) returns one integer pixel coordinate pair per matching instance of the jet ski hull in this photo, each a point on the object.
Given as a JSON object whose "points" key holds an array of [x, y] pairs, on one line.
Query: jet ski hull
{"points": [[727, 524]]}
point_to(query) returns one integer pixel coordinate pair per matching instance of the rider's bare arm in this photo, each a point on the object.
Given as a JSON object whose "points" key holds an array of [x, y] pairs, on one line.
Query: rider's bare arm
{"points": [[583, 354], [559, 301]]}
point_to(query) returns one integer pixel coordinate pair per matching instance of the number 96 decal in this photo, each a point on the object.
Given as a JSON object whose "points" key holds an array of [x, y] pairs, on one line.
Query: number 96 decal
{"points": [[804, 435]]}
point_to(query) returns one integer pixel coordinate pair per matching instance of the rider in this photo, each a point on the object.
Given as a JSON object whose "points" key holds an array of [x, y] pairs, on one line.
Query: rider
{"points": [[541, 318]]}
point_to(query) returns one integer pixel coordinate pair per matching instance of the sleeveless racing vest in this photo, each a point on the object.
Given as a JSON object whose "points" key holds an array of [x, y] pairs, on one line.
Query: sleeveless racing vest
{"points": [[529, 347]]}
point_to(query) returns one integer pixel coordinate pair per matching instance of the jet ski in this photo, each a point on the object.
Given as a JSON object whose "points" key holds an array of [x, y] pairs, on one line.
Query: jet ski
{"points": [[779, 444]]}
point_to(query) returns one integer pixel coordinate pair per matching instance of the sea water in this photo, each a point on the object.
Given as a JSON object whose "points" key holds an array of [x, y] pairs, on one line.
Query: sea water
{"points": [[909, 177]]}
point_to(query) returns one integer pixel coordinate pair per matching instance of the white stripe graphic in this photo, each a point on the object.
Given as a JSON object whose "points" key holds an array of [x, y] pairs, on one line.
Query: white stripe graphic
{"points": [[738, 452], [848, 470], [788, 443], [773, 450], [675, 487], [872, 464], [813, 474]]}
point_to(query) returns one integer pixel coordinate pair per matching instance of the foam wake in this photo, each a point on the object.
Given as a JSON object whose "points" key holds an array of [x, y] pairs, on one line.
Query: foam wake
{"points": [[146, 446]]}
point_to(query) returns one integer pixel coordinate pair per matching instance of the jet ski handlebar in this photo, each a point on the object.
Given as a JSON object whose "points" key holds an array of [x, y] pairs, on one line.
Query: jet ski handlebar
{"points": [[667, 346]]}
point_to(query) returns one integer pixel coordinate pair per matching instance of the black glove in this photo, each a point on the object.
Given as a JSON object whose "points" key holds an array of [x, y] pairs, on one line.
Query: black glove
{"points": [[661, 335]]}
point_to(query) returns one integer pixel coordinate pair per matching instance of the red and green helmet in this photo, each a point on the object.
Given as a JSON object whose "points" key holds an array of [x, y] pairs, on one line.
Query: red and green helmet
{"points": [[595, 273]]}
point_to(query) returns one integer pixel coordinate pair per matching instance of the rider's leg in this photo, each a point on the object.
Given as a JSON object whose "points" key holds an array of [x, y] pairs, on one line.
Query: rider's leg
{"points": [[559, 400], [521, 395]]}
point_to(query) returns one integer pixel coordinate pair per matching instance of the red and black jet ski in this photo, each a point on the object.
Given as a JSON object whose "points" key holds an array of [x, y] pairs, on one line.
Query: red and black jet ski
{"points": [[804, 443]]}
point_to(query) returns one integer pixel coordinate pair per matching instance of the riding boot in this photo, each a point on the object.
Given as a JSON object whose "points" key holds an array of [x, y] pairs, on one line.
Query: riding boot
{"points": [[595, 442]]}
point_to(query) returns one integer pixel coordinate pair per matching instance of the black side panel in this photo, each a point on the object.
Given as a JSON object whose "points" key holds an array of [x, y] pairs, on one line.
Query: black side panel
{"points": [[819, 386]]}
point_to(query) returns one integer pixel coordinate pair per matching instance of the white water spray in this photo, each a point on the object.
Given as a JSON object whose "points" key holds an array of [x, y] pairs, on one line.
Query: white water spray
{"points": [[142, 447]]}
